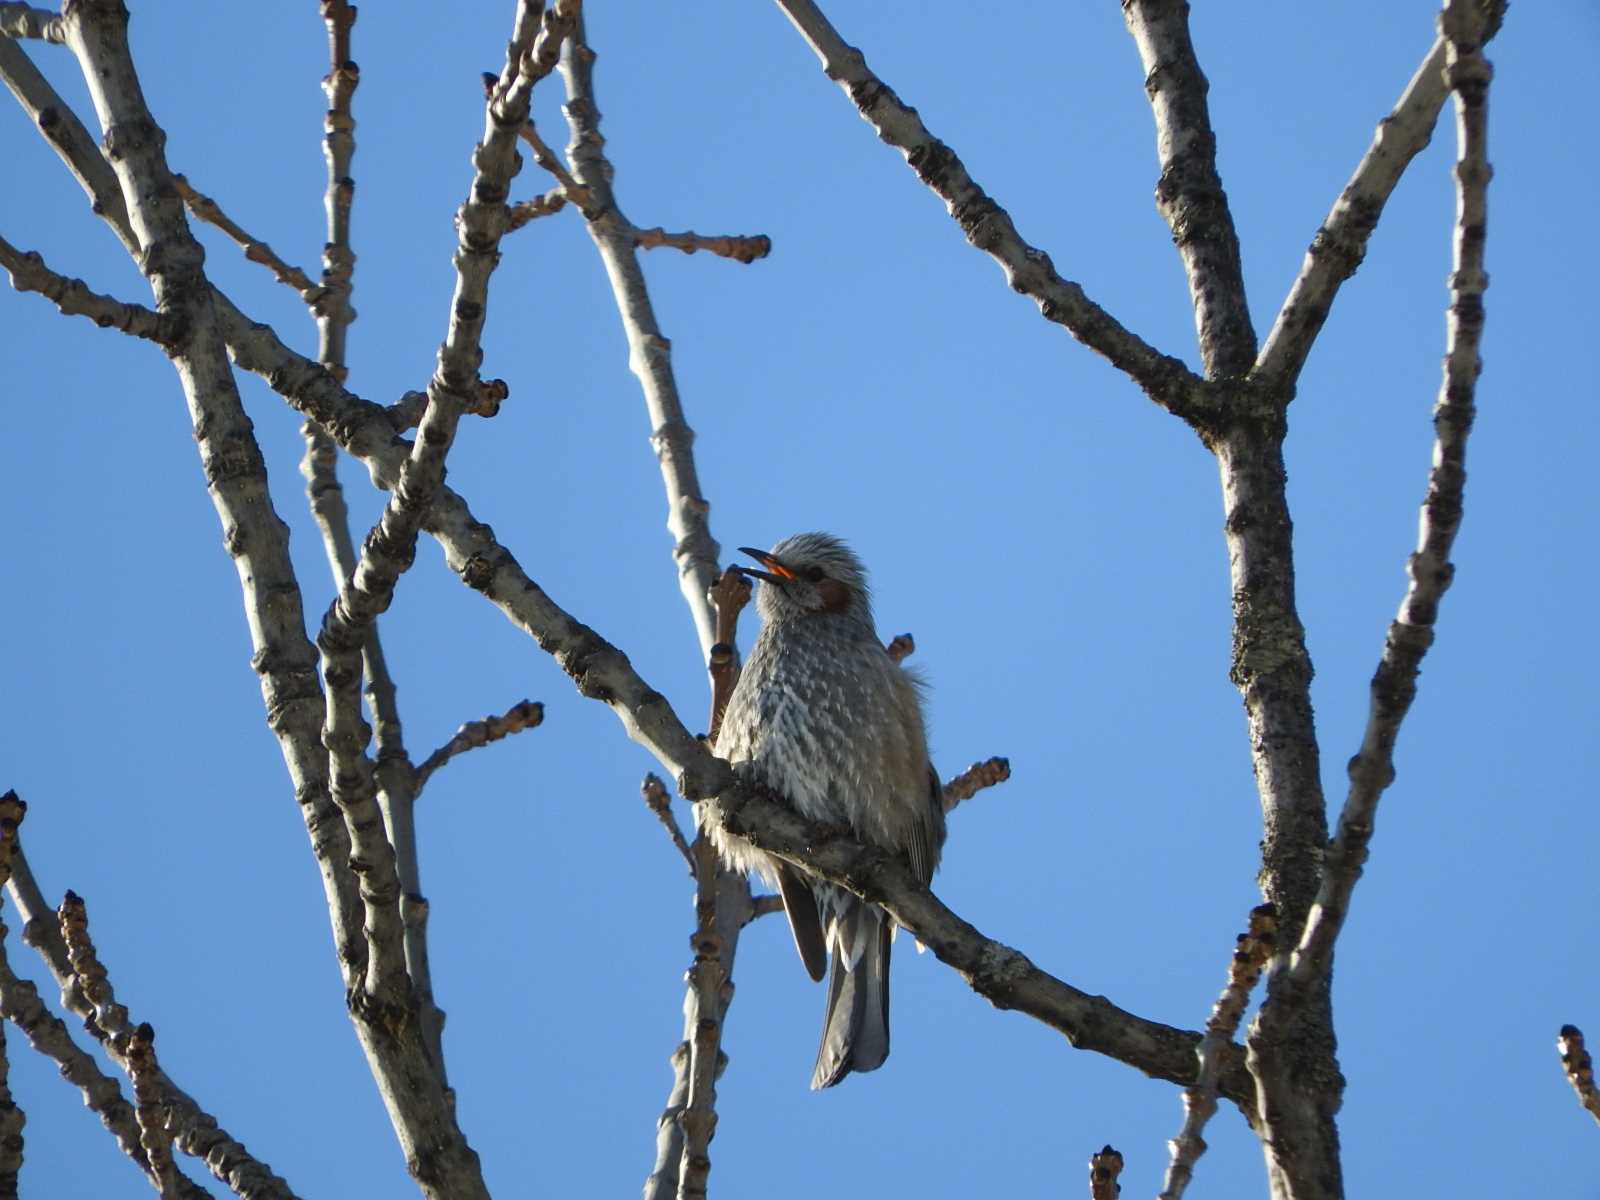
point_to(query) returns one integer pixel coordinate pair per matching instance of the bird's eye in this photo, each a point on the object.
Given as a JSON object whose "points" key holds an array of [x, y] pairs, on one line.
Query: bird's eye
{"points": [[812, 574]]}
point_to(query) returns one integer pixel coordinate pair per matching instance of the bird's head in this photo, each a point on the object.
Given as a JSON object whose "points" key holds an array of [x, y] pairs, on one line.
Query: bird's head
{"points": [[807, 574]]}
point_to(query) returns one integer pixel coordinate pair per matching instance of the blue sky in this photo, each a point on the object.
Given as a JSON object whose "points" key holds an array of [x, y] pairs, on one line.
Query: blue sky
{"points": [[1051, 538]]}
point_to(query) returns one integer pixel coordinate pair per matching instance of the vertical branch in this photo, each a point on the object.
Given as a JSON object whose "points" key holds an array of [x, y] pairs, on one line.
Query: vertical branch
{"points": [[1394, 684], [1200, 1098], [394, 775], [150, 1111], [1189, 194], [722, 899], [236, 479], [1105, 1167], [649, 350]]}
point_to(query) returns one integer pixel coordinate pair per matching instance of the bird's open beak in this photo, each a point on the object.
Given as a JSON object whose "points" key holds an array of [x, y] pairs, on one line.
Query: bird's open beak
{"points": [[779, 573]]}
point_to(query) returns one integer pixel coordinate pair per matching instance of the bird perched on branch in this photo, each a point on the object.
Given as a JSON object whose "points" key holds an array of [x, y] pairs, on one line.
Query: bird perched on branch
{"points": [[824, 717]]}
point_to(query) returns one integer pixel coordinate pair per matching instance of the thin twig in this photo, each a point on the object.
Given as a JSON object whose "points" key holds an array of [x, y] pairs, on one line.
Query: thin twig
{"points": [[974, 779], [1579, 1068], [766, 905], [989, 228], [73, 297], [523, 715], [740, 248], [1250, 955], [150, 1111], [208, 210], [659, 801], [1105, 1165], [580, 196], [546, 205], [1394, 684], [196, 1131], [728, 596], [901, 647]]}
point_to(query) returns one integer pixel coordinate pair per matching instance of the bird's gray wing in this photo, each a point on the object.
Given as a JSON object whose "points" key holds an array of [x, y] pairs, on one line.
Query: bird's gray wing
{"points": [[801, 908]]}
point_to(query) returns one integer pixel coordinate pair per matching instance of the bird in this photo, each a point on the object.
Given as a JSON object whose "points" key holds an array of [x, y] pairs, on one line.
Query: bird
{"points": [[822, 716]]}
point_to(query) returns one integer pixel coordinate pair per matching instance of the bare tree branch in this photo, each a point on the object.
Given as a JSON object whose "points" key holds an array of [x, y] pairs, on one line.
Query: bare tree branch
{"points": [[741, 249], [974, 779], [1579, 1068], [523, 715], [765, 906], [138, 198], [27, 21], [1340, 245], [1189, 194], [728, 595], [1105, 1166], [546, 205], [1394, 684], [571, 189], [150, 1111], [208, 210], [197, 1132], [995, 971], [659, 801], [649, 350], [1250, 955], [988, 227], [901, 647], [73, 297]]}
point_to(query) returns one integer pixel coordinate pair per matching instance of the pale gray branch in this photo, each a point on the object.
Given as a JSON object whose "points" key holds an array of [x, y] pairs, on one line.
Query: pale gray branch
{"points": [[204, 208], [137, 196], [649, 350], [1340, 245], [196, 1131], [28, 21], [989, 228], [1250, 955], [73, 297], [1394, 684], [1189, 194]]}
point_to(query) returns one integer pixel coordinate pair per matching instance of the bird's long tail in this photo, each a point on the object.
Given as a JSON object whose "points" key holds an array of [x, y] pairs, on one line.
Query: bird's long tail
{"points": [[855, 1026]]}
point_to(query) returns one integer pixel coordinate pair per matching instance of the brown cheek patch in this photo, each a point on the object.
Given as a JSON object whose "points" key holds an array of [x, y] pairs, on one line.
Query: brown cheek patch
{"points": [[835, 596]]}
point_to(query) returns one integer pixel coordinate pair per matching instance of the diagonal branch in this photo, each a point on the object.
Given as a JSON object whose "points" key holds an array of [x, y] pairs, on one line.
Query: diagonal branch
{"points": [[73, 297], [136, 195], [649, 350], [1189, 194], [1394, 684], [1340, 245], [974, 779], [204, 208], [1578, 1066], [988, 227], [524, 714], [29, 21], [1250, 955], [196, 1130]]}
